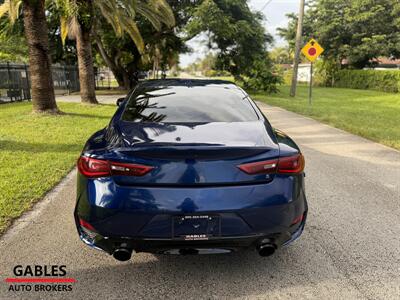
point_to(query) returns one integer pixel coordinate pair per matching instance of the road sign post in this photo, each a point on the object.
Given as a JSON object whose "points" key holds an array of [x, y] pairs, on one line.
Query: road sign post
{"points": [[310, 87], [312, 50]]}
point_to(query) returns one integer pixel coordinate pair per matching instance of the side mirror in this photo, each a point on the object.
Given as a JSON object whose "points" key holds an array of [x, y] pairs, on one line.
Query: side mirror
{"points": [[120, 100]]}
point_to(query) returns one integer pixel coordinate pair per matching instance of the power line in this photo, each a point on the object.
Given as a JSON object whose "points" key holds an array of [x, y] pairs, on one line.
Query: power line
{"points": [[265, 5]]}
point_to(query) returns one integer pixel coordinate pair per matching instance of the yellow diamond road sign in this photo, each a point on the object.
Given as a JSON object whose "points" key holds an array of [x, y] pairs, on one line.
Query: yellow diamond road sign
{"points": [[312, 50]]}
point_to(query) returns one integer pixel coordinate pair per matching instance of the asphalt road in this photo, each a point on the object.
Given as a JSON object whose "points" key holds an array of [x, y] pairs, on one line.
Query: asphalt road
{"points": [[350, 248]]}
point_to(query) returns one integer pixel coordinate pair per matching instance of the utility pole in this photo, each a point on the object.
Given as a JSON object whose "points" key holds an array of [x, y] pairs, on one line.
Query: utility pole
{"points": [[297, 48]]}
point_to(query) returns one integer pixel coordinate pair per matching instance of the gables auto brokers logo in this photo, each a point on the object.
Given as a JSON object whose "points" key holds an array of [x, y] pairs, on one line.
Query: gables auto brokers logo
{"points": [[40, 278]]}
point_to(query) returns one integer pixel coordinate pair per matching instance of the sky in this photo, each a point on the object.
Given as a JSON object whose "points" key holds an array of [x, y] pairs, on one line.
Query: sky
{"points": [[275, 14]]}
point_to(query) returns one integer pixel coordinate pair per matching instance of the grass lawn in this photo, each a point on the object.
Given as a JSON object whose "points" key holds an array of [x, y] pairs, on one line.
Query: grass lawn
{"points": [[373, 115], [36, 152]]}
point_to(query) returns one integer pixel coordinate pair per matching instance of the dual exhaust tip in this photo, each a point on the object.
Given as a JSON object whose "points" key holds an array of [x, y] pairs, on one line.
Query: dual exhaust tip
{"points": [[266, 249], [124, 254]]}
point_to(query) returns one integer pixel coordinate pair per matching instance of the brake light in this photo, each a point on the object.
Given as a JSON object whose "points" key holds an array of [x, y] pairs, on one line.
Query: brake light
{"points": [[291, 164], [284, 165], [129, 169], [93, 168], [260, 167]]}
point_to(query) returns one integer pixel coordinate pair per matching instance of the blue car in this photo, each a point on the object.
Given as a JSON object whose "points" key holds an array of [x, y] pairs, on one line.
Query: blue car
{"points": [[189, 167]]}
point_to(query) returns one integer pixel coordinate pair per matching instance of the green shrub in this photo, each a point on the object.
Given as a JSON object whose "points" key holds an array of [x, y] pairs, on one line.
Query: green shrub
{"points": [[263, 77], [210, 73], [287, 76], [386, 81], [216, 73], [325, 72]]}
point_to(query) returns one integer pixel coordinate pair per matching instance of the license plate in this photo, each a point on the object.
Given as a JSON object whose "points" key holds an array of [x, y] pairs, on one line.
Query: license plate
{"points": [[196, 227]]}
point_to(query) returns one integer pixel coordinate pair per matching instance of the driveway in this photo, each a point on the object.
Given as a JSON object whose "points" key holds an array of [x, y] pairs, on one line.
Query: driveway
{"points": [[350, 248]]}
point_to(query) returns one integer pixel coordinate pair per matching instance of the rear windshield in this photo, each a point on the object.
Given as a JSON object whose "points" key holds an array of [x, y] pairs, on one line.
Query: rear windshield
{"points": [[188, 105]]}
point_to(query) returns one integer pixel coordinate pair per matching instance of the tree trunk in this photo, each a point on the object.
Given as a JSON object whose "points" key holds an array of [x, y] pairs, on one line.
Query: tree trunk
{"points": [[84, 51], [120, 74], [36, 30], [297, 49], [127, 81], [119, 77], [85, 65]]}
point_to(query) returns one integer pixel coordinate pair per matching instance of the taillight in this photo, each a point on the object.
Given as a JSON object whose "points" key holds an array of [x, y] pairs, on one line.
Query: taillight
{"points": [[291, 164], [129, 169], [284, 165], [92, 168], [260, 167]]}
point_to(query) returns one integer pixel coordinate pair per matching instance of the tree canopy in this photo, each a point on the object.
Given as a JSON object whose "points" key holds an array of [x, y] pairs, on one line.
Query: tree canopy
{"points": [[357, 31], [236, 32], [13, 47], [162, 45]]}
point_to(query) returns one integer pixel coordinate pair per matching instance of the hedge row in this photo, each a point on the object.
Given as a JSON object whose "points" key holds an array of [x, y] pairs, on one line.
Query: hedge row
{"points": [[386, 81], [216, 73]]}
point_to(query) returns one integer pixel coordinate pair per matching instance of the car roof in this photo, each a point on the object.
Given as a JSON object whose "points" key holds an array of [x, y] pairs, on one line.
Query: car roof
{"points": [[171, 83]]}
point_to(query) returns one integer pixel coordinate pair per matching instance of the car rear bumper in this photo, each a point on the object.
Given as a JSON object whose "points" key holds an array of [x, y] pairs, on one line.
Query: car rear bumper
{"points": [[141, 218], [210, 246]]}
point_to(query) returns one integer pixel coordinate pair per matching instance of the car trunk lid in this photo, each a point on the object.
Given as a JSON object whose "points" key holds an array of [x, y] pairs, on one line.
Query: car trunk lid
{"points": [[195, 154]]}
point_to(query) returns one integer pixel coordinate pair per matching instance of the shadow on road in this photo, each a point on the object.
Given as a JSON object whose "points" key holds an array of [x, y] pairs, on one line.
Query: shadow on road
{"points": [[237, 274]]}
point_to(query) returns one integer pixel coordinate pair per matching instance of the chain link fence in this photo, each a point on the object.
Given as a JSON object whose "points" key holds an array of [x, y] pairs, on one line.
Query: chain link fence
{"points": [[15, 82]]}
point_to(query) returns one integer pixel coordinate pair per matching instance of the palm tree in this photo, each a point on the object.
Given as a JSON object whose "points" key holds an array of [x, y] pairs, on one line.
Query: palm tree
{"points": [[36, 30], [77, 20]]}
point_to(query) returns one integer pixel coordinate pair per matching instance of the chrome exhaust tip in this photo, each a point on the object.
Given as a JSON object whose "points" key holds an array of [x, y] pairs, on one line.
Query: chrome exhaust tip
{"points": [[122, 254], [266, 250]]}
